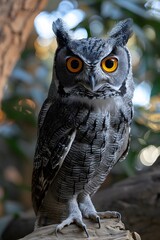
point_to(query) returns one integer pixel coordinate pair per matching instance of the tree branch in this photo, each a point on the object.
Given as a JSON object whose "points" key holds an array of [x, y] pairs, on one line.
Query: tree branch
{"points": [[111, 229]]}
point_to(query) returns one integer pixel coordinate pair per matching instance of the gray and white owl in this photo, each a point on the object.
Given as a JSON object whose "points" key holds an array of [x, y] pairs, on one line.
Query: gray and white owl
{"points": [[83, 126]]}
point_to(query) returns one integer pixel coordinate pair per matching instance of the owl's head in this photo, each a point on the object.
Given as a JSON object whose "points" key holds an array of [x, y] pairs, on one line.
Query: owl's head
{"points": [[92, 67]]}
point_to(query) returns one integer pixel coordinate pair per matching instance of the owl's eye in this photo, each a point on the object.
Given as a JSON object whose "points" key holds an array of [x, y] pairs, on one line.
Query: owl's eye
{"points": [[74, 64], [109, 64]]}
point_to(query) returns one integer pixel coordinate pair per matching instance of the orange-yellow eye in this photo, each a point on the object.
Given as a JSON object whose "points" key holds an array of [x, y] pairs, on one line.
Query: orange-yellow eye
{"points": [[74, 64], [109, 64]]}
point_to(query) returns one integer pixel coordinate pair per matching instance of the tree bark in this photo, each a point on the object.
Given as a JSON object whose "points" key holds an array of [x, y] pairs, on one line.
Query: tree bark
{"points": [[111, 229], [16, 22]]}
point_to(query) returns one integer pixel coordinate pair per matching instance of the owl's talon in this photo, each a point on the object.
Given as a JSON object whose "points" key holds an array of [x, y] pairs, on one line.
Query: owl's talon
{"points": [[118, 216], [85, 229], [58, 229], [98, 221], [115, 214], [56, 232]]}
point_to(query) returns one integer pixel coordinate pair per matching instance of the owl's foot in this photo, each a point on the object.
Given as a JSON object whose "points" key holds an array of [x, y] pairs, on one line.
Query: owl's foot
{"points": [[88, 210], [74, 216], [109, 214], [70, 220]]}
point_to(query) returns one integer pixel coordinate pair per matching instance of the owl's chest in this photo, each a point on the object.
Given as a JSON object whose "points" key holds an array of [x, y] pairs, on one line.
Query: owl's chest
{"points": [[98, 124], [93, 129], [96, 121]]}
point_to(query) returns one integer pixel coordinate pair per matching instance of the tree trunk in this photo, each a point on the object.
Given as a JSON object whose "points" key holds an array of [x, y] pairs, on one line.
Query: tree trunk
{"points": [[16, 22]]}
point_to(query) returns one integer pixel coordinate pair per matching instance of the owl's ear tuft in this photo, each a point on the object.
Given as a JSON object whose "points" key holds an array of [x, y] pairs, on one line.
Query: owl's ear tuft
{"points": [[122, 32], [61, 32]]}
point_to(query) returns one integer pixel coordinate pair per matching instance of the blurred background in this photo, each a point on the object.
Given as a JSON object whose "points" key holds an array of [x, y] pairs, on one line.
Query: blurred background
{"points": [[29, 82]]}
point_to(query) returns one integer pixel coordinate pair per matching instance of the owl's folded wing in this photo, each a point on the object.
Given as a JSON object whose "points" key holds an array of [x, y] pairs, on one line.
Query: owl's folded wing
{"points": [[54, 142]]}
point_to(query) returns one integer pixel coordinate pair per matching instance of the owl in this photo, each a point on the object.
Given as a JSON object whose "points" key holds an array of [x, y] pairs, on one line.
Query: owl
{"points": [[83, 126]]}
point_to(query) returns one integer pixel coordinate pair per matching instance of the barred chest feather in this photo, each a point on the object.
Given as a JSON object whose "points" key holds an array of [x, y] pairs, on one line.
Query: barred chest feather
{"points": [[97, 121]]}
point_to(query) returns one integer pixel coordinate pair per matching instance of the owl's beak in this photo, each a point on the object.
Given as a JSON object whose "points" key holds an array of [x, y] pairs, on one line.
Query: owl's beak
{"points": [[92, 83], [89, 84]]}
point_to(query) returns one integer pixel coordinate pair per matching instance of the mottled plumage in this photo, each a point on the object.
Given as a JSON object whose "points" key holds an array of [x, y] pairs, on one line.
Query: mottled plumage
{"points": [[84, 125]]}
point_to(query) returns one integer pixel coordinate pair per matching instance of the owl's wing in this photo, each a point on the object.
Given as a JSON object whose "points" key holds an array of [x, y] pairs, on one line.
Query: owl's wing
{"points": [[53, 144]]}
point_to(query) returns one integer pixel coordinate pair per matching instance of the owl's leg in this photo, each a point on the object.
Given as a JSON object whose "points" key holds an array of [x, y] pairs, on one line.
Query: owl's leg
{"points": [[87, 208], [89, 211], [74, 216]]}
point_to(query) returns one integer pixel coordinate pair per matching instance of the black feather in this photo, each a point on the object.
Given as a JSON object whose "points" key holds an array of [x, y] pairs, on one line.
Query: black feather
{"points": [[122, 31], [61, 32]]}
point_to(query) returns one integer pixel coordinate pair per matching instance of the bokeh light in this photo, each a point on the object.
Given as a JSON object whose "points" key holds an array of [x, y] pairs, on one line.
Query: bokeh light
{"points": [[153, 7], [142, 94], [149, 155], [66, 10]]}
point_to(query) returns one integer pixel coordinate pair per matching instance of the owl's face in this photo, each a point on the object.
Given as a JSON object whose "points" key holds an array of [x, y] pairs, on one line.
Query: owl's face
{"points": [[93, 67]]}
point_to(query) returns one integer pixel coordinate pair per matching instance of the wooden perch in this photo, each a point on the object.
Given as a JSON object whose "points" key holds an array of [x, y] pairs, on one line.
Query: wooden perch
{"points": [[111, 229]]}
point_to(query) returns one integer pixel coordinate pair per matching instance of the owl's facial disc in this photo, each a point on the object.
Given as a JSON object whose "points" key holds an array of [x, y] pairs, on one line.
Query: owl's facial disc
{"points": [[108, 65], [75, 65]]}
